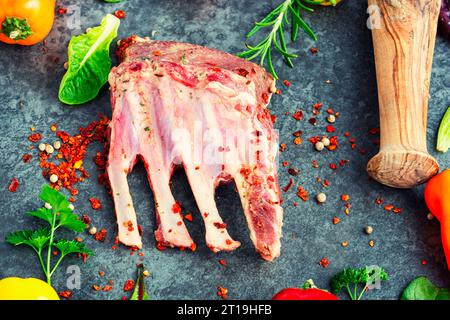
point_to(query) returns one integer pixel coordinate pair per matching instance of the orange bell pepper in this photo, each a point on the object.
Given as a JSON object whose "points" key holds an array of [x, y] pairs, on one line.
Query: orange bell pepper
{"points": [[437, 198], [25, 22]]}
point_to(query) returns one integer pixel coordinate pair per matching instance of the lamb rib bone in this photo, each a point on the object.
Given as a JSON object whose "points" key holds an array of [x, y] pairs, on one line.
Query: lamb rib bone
{"points": [[177, 104]]}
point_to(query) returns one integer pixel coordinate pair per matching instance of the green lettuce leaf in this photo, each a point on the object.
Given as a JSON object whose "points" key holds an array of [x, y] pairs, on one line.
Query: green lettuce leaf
{"points": [[443, 141], [89, 63]]}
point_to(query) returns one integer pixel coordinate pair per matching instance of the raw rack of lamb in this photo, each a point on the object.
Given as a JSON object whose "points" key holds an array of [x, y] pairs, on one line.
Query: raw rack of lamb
{"points": [[183, 105]]}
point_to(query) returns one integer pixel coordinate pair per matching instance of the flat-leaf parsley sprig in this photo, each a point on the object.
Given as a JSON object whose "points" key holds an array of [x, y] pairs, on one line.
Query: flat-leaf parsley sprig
{"points": [[277, 19], [58, 213]]}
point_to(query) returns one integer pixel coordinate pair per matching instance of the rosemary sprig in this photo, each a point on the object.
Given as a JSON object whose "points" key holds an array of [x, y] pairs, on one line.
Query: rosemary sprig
{"points": [[277, 19]]}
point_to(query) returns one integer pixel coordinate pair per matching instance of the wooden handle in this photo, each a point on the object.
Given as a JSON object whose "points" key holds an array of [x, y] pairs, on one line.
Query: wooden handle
{"points": [[403, 45]]}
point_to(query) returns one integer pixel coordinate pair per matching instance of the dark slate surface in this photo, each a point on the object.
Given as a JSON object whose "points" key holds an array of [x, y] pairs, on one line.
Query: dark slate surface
{"points": [[29, 82]]}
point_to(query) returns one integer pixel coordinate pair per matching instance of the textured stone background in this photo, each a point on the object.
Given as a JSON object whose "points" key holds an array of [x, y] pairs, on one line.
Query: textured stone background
{"points": [[29, 80]]}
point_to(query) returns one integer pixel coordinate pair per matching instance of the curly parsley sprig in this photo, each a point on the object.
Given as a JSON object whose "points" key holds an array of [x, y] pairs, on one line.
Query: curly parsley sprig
{"points": [[352, 279], [277, 19], [57, 213]]}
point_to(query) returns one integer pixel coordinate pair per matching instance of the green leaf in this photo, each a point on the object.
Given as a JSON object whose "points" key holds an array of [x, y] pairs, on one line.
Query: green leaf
{"points": [[64, 215], [40, 238], [71, 221], [139, 292], [19, 237], [37, 239], [67, 247], [54, 198], [89, 62], [443, 140], [43, 213], [422, 288]]}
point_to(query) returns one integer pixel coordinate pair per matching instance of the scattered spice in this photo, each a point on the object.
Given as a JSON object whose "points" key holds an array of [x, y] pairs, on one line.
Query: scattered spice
{"points": [[223, 262], [120, 14], [289, 185], [13, 185], [34, 137], [293, 171], [324, 262], [95, 203], [222, 292], [26, 158], [335, 220], [67, 164], [100, 235], [302, 193], [129, 285], [66, 294], [298, 115]]}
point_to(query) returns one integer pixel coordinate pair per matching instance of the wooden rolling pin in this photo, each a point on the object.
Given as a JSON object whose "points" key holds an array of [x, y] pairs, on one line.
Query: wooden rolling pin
{"points": [[403, 45]]}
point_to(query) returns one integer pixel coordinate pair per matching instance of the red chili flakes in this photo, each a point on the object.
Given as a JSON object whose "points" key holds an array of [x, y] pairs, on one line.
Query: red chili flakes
{"points": [[314, 50], [286, 83], [188, 217], [219, 225], [333, 166], [95, 203], [423, 262], [222, 292], [120, 14], [129, 285], [345, 197], [324, 262], [86, 220], [397, 210], [315, 139], [297, 133], [298, 141], [315, 164], [285, 163], [62, 10], [293, 172], [374, 131], [346, 134], [107, 288], [66, 294], [96, 287], [68, 162], [223, 262], [26, 158], [313, 121], [176, 208], [100, 235], [388, 207], [13, 185], [228, 242], [298, 115], [289, 185], [101, 273], [34, 137], [317, 106], [265, 97], [343, 162], [282, 147], [302, 193], [378, 201], [330, 128], [336, 220]]}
